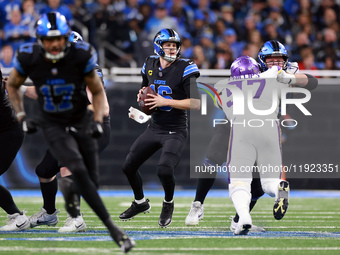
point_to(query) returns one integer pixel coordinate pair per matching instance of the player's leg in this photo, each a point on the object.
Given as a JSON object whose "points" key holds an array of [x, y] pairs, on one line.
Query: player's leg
{"points": [[10, 143], [216, 155], [270, 159], [173, 145], [77, 224], [64, 147], [46, 170], [256, 193], [241, 159], [144, 146]]}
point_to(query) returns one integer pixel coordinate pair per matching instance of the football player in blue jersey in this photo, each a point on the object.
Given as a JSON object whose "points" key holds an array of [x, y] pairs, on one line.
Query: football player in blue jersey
{"points": [[174, 81], [49, 167], [271, 53], [60, 72]]}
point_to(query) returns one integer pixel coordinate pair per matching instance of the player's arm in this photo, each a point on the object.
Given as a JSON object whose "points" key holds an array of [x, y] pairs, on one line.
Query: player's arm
{"points": [[184, 104], [15, 95], [191, 103], [306, 81], [28, 91], [106, 103], [99, 99], [293, 77]]}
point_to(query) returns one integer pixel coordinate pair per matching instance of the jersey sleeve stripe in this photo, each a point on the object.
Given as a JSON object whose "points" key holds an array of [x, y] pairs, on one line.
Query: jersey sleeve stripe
{"points": [[143, 68], [91, 64], [18, 66], [190, 69]]}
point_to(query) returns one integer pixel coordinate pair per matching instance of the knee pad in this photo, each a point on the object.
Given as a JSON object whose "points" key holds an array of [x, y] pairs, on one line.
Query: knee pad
{"points": [[129, 168], [165, 172], [46, 171]]}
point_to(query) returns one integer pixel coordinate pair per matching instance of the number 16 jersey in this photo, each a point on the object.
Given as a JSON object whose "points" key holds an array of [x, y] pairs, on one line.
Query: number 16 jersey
{"points": [[173, 82]]}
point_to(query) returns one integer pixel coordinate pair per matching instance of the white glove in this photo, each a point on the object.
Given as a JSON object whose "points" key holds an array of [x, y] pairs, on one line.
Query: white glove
{"points": [[292, 68], [286, 78], [138, 115]]}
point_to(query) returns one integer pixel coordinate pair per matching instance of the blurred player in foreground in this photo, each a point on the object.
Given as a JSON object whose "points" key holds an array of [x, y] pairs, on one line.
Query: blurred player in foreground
{"points": [[49, 167], [11, 139], [60, 72]]}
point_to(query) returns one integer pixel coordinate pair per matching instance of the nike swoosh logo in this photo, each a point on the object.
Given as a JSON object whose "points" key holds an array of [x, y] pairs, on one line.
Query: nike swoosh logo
{"points": [[170, 132], [79, 225], [19, 226]]}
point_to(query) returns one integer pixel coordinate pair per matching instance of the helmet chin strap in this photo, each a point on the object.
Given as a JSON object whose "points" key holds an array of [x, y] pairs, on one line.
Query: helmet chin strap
{"points": [[169, 58], [55, 57]]}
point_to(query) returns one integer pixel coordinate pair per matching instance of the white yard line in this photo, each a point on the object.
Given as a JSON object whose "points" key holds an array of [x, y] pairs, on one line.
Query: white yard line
{"points": [[110, 250]]}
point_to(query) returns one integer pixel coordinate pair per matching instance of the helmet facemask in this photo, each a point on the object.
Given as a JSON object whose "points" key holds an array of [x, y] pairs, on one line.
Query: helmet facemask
{"points": [[169, 58], [58, 56], [244, 67], [281, 63]]}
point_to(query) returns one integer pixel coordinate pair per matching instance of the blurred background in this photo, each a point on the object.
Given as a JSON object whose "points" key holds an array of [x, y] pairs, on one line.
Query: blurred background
{"points": [[213, 34]]}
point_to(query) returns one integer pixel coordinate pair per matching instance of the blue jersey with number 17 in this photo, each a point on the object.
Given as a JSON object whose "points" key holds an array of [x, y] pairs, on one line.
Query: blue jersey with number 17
{"points": [[59, 84]]}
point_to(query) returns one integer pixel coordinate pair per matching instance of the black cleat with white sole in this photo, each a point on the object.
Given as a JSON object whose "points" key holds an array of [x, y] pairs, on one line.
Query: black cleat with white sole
{"points": [[135, 209]]}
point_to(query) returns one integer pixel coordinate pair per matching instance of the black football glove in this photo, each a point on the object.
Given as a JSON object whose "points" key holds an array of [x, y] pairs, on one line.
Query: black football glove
{"points": [[29, 125], [96, 129]]}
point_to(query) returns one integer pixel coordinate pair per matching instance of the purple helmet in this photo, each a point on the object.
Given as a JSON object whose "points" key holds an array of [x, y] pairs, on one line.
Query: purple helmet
{"points": [[244, 65]]}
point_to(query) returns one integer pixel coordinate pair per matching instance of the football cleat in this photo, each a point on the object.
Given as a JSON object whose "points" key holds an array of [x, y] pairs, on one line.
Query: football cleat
{"points": [[165, 218], [281, 203], [121, 238], [243, 226], [254, 228], [43, 218], [195, 214], [73, 225], [135, 209], [16, 222]]}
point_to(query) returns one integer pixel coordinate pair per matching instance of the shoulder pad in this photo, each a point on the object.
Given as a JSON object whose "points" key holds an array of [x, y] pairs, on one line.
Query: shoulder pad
{"points": [[190, 68]]}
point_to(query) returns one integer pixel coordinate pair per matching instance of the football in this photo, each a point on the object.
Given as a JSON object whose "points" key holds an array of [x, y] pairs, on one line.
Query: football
{"points": [[143, 96]]}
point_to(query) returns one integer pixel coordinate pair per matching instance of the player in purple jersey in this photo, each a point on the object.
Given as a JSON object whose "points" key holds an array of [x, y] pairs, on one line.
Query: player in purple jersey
{"points": [[60, 72], [174, 79], [49, 167], [272, 52]]}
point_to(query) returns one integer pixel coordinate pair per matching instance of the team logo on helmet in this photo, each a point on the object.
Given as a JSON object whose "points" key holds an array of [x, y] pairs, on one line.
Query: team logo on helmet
{"points": [[244, 66]]}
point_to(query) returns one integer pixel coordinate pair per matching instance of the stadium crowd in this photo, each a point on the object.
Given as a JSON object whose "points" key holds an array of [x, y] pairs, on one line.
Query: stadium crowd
{"points": [[213, 32]]}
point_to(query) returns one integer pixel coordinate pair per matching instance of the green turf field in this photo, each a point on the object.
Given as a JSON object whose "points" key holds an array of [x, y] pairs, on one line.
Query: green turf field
{"points": [[311, 226]]}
